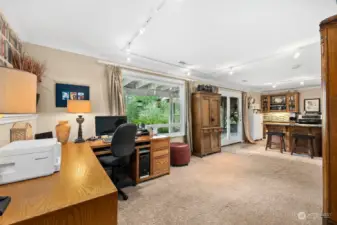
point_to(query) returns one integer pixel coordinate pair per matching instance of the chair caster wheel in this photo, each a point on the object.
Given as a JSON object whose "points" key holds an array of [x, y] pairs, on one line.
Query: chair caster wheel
{"points": [[125, 198]]}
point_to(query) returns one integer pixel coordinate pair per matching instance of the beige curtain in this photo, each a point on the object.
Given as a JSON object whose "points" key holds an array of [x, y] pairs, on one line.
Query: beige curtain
{"points": [[115, 90], [246, 126], [188, 97]]}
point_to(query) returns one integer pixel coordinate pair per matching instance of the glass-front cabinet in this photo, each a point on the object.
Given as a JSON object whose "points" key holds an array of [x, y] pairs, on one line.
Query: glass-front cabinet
{"points": [[287, 102], [278, 103], [293, 102], [265, 103]]}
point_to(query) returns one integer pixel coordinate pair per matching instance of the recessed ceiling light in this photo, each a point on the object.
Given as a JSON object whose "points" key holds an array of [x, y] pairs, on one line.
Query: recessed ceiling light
{"points": [[296, 55], [274, 86], [128, 49], [294, 67], [128, 59], [142, 30], [302, 83], [231, 71], [188, 73]]}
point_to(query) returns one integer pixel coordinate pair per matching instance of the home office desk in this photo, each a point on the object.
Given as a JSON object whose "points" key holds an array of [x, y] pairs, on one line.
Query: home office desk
{"points": [[80, 194], [159, 155]]}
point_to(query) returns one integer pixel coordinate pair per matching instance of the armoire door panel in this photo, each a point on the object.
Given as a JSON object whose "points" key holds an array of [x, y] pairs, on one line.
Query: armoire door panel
{"points": [[332, 107], [205, 111], [215, 112], [215, 139], [329, 112], [206, 142]]}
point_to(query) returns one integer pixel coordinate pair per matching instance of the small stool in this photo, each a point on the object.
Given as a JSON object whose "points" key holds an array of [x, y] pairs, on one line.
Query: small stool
{"points": [[280, 135], [311, 140], [180, 154]]}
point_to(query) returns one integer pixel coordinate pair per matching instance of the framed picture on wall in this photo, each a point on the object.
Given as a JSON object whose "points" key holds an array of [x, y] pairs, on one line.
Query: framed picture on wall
{"points": [[312, 105], [65, 92]]}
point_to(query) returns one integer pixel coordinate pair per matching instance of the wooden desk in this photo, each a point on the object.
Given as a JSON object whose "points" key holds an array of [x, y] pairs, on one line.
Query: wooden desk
{"points": [[159, 155], [80, 194]]}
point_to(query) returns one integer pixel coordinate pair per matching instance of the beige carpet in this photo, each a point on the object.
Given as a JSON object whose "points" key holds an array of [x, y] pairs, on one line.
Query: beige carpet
{"points": [[245, 186]]}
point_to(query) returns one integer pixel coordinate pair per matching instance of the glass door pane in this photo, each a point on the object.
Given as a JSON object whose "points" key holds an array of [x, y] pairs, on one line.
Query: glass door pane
{"points": [[223, 120], [234, 118]]}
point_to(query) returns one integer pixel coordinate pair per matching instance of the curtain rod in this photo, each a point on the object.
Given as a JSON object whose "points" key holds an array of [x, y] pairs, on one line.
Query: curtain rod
{"points": [[150, 72], [135, 69]]}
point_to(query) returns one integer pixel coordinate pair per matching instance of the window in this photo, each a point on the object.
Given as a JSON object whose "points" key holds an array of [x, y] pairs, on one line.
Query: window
{"points": [[155, 102]]}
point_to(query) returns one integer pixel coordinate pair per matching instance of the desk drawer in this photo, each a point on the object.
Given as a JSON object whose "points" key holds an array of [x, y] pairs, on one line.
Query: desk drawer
{"points": [[160, 144], [160, 153], [161, 165]]}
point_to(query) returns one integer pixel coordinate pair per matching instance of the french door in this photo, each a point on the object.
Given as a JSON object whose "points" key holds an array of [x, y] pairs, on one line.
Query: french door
{"points": [[231, 117]]}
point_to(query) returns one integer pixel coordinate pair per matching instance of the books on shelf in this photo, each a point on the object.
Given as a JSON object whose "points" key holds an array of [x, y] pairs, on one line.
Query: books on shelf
{"points": [[9, 42]]}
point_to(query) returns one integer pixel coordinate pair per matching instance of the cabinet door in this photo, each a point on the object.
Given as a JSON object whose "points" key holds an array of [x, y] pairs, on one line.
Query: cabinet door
{"points": [[292, 102], [329, 112], [215, 141], [205, 111], [161, 162], [215, 112], [206, 142]]}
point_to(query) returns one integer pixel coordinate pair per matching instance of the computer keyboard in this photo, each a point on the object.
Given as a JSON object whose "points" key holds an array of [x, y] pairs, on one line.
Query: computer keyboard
{"points": [[107, 140]]}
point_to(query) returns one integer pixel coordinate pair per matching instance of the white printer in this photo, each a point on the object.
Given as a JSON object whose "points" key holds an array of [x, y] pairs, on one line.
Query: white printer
{"points": [[22, 160]]}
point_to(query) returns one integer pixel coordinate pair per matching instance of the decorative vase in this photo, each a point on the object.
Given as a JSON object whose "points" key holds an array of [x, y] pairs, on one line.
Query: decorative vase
{"points": [[63, 131]]}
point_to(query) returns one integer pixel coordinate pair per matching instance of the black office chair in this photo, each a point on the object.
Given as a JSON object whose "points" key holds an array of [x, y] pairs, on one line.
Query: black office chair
{"points": [[122, 147], [45, 135]]}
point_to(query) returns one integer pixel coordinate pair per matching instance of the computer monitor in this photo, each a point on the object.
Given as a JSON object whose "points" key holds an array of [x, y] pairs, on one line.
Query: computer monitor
{"points": [[106, 125]]}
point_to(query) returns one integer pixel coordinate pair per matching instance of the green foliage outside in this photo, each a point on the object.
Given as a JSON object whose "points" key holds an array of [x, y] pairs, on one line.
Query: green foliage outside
{"points": [[147, 110]]}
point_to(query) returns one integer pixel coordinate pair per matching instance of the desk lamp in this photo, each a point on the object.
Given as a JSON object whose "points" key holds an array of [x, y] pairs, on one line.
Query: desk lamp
{"points": [[79, 107]]}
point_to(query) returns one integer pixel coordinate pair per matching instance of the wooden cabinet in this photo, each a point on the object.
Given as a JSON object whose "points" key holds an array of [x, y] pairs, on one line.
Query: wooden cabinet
{"points": [[329, 110], [293, 102], [206, 123], [284, 102], [265, 103], [160, 157]]}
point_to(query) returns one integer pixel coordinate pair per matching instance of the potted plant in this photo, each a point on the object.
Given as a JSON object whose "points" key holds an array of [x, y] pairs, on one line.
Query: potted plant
{"points": [[27, 63]]}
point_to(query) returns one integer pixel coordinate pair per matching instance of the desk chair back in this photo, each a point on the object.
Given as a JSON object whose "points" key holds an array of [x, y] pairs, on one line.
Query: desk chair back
{"points": [[123, 140]]}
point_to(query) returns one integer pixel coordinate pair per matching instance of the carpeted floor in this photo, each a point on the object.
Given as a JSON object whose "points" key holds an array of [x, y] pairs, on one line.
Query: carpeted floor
{"points": [[242, 185]]}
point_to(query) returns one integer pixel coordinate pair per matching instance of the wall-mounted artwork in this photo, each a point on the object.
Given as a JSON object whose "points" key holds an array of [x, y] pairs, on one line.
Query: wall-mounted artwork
{"points": [[65, 92], [312, 105]]}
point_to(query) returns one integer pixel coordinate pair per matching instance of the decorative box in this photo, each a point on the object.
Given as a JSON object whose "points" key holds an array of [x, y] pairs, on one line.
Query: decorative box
{"points": [[21, 131]]}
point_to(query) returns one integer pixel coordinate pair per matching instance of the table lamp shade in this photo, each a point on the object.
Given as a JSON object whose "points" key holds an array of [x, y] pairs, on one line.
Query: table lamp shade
{"points": [[17, 91], [79, 106]]}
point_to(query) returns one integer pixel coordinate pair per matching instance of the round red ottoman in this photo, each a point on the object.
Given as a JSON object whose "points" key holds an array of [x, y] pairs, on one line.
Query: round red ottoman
{"points": [[180, 154]]}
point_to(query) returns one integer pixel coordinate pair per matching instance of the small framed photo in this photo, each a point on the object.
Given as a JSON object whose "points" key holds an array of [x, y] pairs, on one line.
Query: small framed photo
{"points": [[80, 95], [312, 105], [65, 95], [73, 95]]}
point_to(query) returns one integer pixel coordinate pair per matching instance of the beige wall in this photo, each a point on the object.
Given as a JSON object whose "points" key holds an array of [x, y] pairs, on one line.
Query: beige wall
{"points": [[68, 68], [309, 93]]}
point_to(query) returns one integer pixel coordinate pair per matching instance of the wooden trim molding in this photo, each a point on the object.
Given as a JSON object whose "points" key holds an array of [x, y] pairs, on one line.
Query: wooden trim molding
{"points": [[13, 118], [328, 221]]}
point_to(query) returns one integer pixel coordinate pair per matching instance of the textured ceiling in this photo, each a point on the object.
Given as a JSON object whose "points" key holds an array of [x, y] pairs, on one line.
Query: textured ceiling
{"points": [[256, 38]]}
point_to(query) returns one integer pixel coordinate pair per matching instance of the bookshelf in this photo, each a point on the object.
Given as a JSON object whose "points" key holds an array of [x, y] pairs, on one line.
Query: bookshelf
{"points": [[9, 43]]}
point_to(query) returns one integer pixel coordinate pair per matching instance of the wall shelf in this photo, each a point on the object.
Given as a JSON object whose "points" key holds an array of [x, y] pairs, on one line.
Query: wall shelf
{"points": [[13, 118], [10, 44]]}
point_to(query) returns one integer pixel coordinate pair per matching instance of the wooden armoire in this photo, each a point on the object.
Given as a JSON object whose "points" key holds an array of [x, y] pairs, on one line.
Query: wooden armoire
{"points": [[329, 96], [206, 123]]}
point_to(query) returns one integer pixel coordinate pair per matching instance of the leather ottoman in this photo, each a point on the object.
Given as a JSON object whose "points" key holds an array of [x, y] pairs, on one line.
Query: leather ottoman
{"points": [[180, 154]]}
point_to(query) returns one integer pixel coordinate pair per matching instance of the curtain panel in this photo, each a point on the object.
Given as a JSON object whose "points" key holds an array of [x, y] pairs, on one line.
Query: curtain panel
{"points": [[245, 118], [113, 76], [188, 96]]}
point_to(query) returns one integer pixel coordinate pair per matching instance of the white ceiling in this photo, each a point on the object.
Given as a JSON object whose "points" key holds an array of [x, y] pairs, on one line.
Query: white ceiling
{"points": [[257, 38]]}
